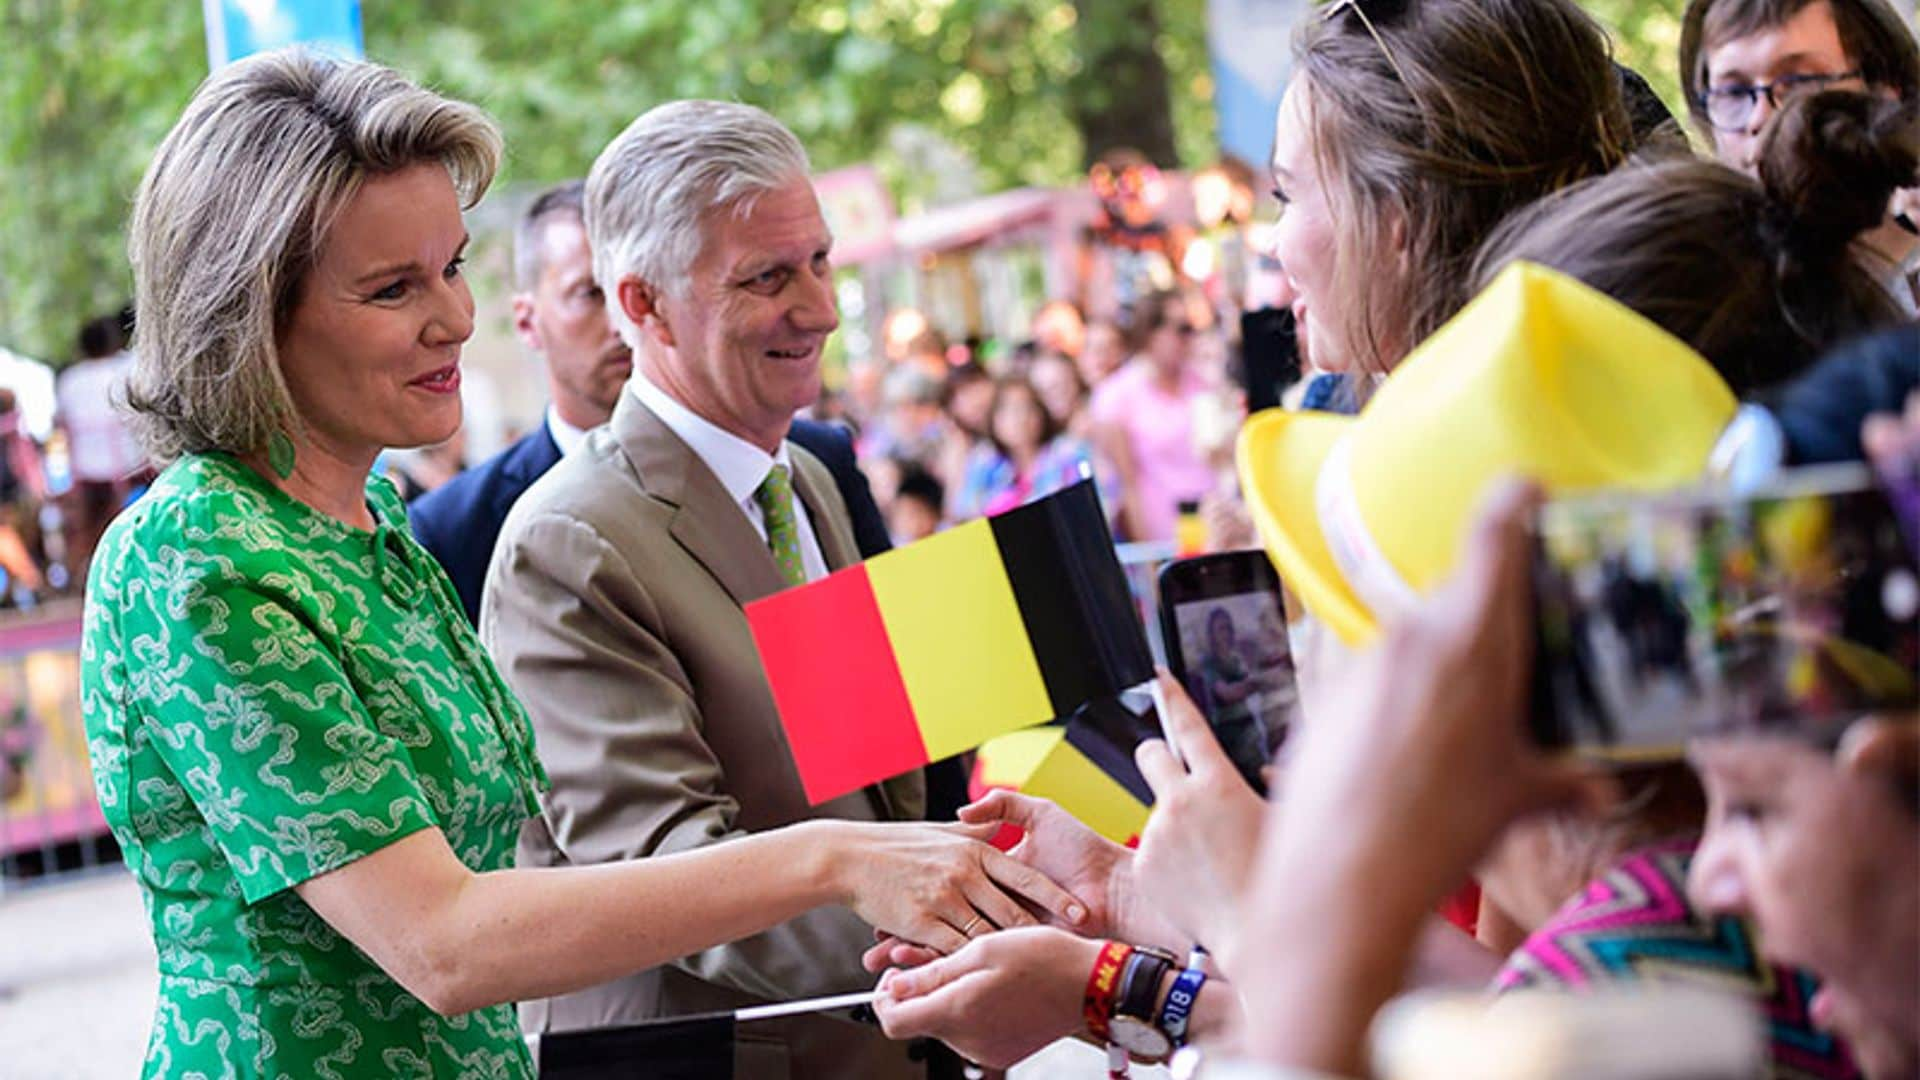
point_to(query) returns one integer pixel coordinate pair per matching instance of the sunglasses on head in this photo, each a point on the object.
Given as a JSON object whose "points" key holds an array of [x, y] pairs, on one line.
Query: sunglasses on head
{"points": [[1383, 9]]}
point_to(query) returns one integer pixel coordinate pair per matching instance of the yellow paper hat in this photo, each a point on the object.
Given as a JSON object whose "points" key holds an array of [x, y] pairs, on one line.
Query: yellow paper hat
{"points": [[1538, 376]]}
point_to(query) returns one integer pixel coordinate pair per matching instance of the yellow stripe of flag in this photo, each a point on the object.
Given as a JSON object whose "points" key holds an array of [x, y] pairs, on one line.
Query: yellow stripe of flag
{"points": [[968, 667], [1042, 762]]}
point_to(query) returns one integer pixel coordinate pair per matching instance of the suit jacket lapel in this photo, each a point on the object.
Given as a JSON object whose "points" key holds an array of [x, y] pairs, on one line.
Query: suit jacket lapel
{"points": [[712, 529], [811, 481], [705, 522]]}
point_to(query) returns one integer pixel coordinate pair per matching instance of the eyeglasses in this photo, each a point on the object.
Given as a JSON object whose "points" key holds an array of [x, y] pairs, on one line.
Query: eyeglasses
{"points": [[1730, 108]]}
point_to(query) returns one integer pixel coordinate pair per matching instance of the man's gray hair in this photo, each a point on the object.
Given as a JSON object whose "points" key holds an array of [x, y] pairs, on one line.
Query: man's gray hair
{"points": [[233, 213], [652, 188]]}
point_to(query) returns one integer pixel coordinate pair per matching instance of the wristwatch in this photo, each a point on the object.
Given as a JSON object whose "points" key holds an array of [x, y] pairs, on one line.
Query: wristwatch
{"points": [[1132, 1025]]}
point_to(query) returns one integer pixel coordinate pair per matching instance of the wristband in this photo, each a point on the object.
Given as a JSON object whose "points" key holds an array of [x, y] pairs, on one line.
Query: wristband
{"points": [[1179, 1004], [1097, 1006]]}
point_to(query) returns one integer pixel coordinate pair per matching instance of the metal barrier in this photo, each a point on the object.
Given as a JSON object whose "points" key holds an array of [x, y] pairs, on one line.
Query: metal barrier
{"points": [[50, 822]]}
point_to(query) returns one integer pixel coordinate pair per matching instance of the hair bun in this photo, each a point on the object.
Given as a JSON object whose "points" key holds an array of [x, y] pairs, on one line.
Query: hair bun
{"points": [[1831, 162]]}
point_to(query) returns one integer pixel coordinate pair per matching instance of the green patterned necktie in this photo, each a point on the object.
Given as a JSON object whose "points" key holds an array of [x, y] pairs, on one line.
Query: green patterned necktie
{"points": [[775, 496]]}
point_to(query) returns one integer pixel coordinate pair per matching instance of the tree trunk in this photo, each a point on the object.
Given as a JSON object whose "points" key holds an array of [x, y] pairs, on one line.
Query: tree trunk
{"points": [[1120, 97]]}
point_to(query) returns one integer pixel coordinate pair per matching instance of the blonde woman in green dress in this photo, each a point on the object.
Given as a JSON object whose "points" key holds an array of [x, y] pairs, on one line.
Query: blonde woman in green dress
{"points": [[316, 774]]}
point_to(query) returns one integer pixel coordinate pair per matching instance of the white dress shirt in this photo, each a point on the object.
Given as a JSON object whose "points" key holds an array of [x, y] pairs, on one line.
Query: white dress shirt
{"points": [[564, 435], [739, 465]]}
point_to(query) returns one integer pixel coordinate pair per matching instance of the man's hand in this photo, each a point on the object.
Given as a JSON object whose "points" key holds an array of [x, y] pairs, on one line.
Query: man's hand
{"points": [[1199, 844], [1086, 864], [943, 884], [996, 1001]]}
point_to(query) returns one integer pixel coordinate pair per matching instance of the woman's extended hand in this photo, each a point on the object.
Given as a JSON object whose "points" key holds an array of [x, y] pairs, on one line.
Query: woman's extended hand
{"points": [[942, 884], [996, 1001], [1198, 847]]}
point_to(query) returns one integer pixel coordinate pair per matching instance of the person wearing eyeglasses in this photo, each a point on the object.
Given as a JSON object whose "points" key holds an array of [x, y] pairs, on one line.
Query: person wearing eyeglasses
{"points": [[1740, 60]]}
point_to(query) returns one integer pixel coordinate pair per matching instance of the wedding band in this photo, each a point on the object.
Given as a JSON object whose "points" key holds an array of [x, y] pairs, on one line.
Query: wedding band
{"points": [[967, 930]]}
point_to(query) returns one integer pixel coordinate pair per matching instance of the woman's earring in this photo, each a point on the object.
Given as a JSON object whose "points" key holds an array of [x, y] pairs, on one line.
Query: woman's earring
{"points": [[280, 454]]}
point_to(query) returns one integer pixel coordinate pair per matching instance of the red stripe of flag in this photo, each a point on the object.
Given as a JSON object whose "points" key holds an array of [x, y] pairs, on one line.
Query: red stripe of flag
{"points": [[841, 698]]}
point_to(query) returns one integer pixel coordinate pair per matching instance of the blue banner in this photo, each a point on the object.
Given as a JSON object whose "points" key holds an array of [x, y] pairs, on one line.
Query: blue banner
{"points": [[237, 28], [1252, 46]]}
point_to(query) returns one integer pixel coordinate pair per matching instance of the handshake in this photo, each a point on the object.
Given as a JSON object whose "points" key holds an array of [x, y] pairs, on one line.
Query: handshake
{"points": [[1055, 972]]}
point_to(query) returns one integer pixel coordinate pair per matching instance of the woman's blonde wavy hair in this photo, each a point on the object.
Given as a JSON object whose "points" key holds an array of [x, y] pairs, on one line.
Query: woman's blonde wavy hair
{"points": [[231, 217]]}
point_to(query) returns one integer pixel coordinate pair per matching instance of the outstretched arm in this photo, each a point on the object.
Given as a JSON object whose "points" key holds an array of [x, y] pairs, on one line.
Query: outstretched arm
{"points": [[460, 940]]}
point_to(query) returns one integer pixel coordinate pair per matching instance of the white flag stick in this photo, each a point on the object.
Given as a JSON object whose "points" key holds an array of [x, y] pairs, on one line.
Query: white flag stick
{"points": [[807, 1005]]}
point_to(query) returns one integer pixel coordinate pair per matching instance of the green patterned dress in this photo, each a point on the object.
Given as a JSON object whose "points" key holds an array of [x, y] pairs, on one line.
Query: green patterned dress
{"points": [[270, 695]]}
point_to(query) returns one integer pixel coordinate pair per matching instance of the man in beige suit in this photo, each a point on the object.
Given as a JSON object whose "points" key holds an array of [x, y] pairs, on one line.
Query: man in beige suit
{"points": [[613, 602]]}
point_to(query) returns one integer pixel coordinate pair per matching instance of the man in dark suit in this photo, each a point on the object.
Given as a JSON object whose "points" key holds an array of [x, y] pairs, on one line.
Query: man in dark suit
{"points": [[560, 314]]}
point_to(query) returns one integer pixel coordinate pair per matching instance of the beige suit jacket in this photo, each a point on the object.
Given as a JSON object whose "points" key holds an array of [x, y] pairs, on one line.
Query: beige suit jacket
{"points": [[613, 607]]}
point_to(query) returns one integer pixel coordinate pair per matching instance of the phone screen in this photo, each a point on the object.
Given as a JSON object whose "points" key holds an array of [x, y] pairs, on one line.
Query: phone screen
{"points": [[1790, 610], [1225, 632]]}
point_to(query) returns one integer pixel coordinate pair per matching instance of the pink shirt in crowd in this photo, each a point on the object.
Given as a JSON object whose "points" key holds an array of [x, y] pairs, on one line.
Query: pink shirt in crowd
{"points": [[101, 445], [1159, 432]]}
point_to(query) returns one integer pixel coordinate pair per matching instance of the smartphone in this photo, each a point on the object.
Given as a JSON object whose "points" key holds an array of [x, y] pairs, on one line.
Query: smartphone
{"points": [[1269, 356], [1225, 632], [1791, 609]]}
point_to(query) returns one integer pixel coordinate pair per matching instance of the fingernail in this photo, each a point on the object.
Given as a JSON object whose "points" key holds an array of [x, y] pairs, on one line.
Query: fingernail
{"points": [[1076, 913]]}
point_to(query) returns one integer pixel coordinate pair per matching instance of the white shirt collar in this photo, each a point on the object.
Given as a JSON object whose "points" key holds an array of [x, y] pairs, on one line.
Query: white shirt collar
{"points": [[739, 465], [565, 435]]}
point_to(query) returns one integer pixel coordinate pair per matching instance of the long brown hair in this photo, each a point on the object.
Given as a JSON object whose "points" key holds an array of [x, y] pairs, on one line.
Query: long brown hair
{"points": [[1440, 117], [1758, 276]]}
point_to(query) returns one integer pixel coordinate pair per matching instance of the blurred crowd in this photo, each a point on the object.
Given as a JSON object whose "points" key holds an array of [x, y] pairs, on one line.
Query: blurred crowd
{"points": [[1145, 405], [69, 461]]}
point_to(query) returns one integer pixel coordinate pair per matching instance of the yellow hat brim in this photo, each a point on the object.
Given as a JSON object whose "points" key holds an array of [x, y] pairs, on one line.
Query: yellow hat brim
{"points": [[1279, 456]]}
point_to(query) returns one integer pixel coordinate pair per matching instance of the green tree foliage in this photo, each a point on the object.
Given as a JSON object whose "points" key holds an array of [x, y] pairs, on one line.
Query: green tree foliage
{"points": [[87, 90], [88, 87]]}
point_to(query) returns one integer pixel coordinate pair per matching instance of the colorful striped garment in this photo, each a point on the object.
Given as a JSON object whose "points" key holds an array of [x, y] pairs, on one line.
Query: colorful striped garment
{"points": [[1635, 922]]}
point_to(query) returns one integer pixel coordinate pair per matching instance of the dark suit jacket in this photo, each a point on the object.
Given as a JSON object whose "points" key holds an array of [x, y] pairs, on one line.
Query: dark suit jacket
{"points": [[1820, 413], [834, 447], [460, 522]]}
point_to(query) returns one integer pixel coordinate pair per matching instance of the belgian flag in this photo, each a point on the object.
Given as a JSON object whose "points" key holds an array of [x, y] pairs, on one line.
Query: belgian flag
{"points": [[921, 653], [1070, 767]]}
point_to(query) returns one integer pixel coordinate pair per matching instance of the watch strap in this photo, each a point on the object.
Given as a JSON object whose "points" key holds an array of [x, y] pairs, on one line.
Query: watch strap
{"points": [[1140, 985]]}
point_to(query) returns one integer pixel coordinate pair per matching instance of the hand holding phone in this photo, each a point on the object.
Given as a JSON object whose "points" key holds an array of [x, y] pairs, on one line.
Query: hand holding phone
{"points": [[1225, 631], [1791, 610]]}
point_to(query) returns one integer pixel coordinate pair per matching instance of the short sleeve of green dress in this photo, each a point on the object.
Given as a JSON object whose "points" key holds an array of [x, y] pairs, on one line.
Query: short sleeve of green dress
{"points": [[270, 695]]}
